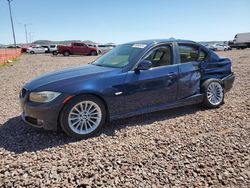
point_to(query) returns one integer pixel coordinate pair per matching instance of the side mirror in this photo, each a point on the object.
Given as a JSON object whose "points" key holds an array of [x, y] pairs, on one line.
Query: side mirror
{"points": [[144, 65]]}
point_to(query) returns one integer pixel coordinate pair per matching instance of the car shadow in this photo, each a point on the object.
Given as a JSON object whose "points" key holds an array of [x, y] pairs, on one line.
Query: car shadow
{"points": [[17, 137]]}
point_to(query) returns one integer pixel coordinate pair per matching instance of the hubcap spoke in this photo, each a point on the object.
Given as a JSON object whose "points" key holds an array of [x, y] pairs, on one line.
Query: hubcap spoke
{"points": [[73, 124]]}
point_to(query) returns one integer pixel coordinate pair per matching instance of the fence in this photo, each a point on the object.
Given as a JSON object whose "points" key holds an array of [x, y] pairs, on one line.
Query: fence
{"points": [[8, 54]]}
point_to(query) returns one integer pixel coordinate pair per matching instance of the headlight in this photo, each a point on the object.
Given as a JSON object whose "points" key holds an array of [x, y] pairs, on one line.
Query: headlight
{"points": [[43, 96]]}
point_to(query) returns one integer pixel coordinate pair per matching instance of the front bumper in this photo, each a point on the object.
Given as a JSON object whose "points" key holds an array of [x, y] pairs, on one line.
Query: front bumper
{"points": [[228, 82], [42, 115]]}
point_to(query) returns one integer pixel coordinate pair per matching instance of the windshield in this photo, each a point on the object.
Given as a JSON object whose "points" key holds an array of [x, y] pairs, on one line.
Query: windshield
{"points": [[119, 56]]}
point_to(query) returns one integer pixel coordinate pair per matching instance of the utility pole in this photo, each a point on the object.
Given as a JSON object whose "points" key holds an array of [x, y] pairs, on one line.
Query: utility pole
{"points": [[26, 30], [11, 20], [30, 37], [26, 34]]}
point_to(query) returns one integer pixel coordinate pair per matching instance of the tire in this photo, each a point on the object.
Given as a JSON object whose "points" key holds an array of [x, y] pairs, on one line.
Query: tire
{"points": [[93, 53], [83, 125], [213, 93], [66, 53], [55, 52], [32, 52]]}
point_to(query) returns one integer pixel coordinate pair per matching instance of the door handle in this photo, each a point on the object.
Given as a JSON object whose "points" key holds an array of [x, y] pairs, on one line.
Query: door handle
{"points": [[171, 74]]}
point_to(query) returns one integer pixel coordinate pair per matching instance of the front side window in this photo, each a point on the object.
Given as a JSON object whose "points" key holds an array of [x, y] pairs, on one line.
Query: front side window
{"points": [[160, 56]]}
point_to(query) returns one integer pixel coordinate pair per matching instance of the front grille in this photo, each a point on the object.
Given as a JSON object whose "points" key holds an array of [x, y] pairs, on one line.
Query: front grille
{"points": [[23, 93]]}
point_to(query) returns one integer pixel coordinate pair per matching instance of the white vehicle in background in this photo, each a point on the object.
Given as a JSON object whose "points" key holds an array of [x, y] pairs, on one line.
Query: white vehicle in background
{"points": [[242, 38], [241, 41], [37, 50], [103, 48], [221, 47], [95, 46], [53, 49], [106, 47]]}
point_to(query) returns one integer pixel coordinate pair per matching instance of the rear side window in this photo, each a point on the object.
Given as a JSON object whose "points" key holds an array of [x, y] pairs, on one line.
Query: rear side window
{"points": [[191, 53], [202, 55], [188, 53]]}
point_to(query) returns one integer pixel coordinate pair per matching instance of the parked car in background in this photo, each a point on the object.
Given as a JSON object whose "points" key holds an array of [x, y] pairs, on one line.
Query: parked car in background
{"points": [[221, 47], [95, 46], [37, 49], [105, 47], [47, 47], [132, 79], [23, 49], [53, 49], [209, 46], [241, 41], [227, 47], [77, 48]]}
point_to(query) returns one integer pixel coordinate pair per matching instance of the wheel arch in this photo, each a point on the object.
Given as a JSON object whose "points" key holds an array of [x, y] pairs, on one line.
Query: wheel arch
{"points": [[206, 80], [211, 78], [95, 94]]}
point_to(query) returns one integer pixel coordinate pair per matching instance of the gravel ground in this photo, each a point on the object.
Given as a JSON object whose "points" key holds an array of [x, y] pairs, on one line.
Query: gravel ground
{"points": [[185, 147]]}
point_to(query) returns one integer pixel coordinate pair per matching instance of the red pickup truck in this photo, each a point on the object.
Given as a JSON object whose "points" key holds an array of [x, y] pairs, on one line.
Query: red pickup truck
{"points": [[76, 48]]}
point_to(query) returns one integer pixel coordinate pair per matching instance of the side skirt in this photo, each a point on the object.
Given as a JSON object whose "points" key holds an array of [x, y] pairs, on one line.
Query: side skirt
{"points": [[195, 99]]}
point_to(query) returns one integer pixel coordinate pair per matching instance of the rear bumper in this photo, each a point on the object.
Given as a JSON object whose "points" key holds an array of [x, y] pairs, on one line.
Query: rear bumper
{"points": [[228, 82]]}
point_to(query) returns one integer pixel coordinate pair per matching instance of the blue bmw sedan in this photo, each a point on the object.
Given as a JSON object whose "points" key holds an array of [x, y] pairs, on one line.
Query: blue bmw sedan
{"points": [[132, 79]]}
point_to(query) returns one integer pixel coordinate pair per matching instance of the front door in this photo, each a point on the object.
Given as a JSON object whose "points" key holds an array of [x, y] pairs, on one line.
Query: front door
{"points": [[153, 87]]}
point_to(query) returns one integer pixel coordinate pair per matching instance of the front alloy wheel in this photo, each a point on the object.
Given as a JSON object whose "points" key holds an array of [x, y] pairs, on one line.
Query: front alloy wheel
{"points": [[83, 116]]}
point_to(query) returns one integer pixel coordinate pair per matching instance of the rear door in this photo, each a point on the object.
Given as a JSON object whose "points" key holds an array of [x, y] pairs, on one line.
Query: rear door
{"points": [[82, 48], [189, 69], [153, 87]]}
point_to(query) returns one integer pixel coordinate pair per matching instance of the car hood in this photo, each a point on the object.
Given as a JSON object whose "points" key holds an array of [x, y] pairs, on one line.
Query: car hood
{"points": [[67, 75]]}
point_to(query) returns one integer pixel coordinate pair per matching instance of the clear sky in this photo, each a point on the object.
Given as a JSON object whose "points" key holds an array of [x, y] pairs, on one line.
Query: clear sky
{"points": [[125, 20]]}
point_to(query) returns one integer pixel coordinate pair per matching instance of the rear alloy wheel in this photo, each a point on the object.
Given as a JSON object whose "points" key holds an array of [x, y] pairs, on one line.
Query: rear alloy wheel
{"points": [[83, 116], [32, 52], [213, 93], [66, 53]]}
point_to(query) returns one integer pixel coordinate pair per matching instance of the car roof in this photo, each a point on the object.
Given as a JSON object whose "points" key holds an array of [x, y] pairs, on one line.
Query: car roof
{"points": [[156, 41]]}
